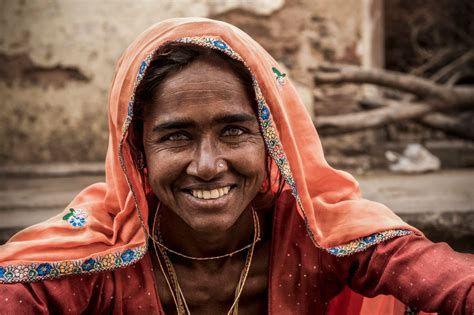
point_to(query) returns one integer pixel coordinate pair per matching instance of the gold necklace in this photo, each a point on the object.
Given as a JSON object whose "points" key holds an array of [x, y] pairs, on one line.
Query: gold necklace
{"points": [[173, 284], [163, 246]]}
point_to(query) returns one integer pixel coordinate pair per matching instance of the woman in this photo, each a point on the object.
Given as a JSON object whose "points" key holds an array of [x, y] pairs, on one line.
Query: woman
{"points": [[218, 199]]}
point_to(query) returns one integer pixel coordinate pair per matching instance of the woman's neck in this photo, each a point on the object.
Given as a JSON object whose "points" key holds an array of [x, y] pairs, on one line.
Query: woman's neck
{"points": [[179, 236]]}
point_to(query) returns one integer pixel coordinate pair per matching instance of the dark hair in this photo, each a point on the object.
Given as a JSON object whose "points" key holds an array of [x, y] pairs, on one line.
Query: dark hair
{"points": [[172, 58], [167, 60]]}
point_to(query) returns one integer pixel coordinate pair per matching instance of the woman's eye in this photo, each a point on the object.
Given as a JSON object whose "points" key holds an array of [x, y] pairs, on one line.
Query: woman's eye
{"points": [[177, 137], [232, 132]]}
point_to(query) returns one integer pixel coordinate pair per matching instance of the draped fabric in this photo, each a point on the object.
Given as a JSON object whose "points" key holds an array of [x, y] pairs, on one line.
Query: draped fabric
{"points": [[104, 226]]}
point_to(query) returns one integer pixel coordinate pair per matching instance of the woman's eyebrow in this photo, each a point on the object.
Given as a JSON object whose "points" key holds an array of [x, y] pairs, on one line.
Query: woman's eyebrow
{"points": [[218, 119], [233, 118], [174, 124]]}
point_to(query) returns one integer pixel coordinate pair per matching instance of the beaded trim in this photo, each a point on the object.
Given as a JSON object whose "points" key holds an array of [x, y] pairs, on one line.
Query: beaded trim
{"points": [[141, 72], [363, 243], [54, 270]]}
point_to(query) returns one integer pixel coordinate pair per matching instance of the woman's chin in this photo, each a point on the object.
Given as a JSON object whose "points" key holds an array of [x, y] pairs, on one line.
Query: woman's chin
{"points": [[211, 225]]}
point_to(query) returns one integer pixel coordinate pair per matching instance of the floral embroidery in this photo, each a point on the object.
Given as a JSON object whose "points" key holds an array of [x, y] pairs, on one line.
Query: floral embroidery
{"points": [[65, 268], [43, 269], [363, 243], [76, 217], [265, 113], [128, 255], [220, 44], [141, 72], [21, 272], [279, 76], [107, 261], [53, 270], [88, 265], [77, 222]]}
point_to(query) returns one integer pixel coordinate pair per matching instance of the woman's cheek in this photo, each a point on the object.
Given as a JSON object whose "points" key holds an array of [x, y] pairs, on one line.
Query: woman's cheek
{"points": [[250, 162]]}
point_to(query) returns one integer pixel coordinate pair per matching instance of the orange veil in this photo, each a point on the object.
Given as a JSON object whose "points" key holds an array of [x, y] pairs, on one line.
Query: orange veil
{"points": [[104, 227]]}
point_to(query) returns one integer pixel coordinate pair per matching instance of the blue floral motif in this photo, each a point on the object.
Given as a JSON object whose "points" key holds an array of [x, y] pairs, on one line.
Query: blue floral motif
{"points": [[369, 239], [88, 264], [130, 109], [128, 255], [44, 269], [143, 66], [53, 270], [220, 44], [265, 113], [76, 217], [76, 221], [363, 243], [272, 143]]}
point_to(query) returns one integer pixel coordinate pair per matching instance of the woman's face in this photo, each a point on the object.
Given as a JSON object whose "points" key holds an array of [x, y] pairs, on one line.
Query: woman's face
{"points": [[204, 151]]}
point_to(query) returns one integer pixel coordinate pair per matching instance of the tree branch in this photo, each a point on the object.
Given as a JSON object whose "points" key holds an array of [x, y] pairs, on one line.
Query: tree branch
{"points": [[448, 96], [448, 124], [452, 125], [391, 111]]}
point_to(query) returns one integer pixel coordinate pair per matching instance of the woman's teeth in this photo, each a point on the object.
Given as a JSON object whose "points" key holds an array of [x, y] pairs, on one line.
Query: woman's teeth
{"points": [[211, 194]]}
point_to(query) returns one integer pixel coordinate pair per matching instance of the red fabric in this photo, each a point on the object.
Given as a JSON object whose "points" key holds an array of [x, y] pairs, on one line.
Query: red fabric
{"points": [[129, 290], [347, 302], [303, 280], [429, 276]]}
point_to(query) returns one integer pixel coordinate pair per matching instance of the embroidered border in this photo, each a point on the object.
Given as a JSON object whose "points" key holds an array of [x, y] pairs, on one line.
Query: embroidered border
{"points": [[54, 270], [141, 72], [363, 243]]}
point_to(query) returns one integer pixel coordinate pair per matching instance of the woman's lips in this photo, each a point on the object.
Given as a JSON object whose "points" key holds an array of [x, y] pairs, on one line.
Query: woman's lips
{"points": [[210, 194], [216, 198]]}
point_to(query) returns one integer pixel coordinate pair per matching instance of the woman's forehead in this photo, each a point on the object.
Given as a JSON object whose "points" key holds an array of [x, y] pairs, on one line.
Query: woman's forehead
{"points": [[204, 85], [211, 72]]}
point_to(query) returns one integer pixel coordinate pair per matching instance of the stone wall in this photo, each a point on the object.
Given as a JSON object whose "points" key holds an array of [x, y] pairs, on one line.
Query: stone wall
{"points": [[57, 59]]}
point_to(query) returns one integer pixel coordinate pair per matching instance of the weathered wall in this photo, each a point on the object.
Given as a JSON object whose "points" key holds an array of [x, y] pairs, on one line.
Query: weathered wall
{"points": [[57, 60]]}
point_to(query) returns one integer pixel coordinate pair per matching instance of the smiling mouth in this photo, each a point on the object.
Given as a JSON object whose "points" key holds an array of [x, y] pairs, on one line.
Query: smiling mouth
{"points": [[210, 194]]}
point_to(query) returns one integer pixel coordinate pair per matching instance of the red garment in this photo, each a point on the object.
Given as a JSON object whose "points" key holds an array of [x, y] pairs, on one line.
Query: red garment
{"points": [[303, 280]]}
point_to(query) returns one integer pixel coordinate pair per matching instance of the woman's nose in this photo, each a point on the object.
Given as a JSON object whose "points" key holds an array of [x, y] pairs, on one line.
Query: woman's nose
{"points": [[207, 162]]}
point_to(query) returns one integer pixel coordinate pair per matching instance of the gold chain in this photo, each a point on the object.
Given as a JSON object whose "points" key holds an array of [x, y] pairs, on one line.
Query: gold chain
{"points": [[163, 246], [173, 284]]}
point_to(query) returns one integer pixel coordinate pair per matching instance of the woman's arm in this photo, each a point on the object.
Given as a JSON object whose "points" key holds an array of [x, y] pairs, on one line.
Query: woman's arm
{"points": [[71, 295], [422, 274]]}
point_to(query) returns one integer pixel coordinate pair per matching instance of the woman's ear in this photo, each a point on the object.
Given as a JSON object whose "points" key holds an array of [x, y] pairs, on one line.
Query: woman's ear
{"points": [[140, 161], [264, 186]]}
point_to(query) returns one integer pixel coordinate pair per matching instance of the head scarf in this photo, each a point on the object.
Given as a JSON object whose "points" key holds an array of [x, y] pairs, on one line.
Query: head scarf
{"points": [[105, 226]]}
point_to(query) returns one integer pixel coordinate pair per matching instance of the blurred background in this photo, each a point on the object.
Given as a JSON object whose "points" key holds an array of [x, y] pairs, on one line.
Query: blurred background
{"points": [[388, 83]]}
